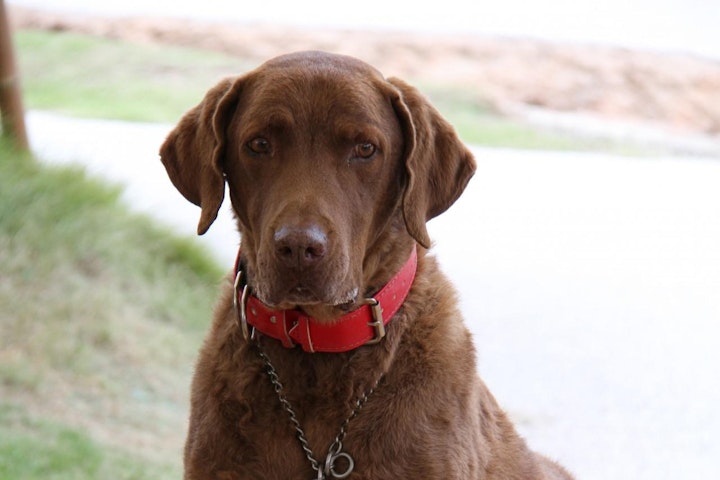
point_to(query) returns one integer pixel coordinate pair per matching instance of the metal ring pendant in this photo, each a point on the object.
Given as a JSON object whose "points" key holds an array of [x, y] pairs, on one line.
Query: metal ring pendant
{"points": [[330, 465]]}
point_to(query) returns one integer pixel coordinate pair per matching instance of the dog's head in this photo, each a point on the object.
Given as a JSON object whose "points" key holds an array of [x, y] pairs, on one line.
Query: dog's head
{"points": [[332, 170]]}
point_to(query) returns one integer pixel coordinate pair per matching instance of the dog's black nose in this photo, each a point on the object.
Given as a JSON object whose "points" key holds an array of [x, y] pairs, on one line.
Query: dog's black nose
{"points": [[300, 246]]}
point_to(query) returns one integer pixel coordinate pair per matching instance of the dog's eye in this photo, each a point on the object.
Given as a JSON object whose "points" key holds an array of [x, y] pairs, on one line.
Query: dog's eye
{"points": [[259, 145], [365, 150]]}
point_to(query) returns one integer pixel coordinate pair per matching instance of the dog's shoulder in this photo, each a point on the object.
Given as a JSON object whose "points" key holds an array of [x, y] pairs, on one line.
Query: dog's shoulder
{"points": [[433, 316]]}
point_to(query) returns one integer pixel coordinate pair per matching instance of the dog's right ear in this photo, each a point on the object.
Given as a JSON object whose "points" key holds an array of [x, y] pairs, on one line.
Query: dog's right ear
{"points": [[193, 151]]}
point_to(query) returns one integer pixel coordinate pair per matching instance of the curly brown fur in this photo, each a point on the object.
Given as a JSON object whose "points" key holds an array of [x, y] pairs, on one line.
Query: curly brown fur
{"points": [[322, 227]]}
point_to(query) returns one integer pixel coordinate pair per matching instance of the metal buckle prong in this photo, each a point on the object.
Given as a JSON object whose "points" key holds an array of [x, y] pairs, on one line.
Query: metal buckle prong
{"points": [[377, 323]]}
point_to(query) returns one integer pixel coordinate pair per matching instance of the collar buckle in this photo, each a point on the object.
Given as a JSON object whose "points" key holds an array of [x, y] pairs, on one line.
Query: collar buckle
{"points": [[377, 324]]}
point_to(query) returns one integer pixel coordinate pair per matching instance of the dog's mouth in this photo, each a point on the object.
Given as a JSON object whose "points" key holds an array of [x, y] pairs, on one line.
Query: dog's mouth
{"points": [[300, 296], [328, 286]]}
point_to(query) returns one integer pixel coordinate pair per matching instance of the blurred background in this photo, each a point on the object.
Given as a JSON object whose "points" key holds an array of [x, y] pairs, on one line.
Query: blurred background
{"points": [[586, 250]]}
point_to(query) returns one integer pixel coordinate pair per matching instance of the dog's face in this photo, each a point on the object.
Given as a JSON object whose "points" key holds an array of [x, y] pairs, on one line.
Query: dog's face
{"points": [[328, 165], [313, 162]]}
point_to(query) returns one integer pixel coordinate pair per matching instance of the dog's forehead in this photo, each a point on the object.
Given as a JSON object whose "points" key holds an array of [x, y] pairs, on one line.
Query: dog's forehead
{"points": [[310, 85], [317, 62], [319, 74]]}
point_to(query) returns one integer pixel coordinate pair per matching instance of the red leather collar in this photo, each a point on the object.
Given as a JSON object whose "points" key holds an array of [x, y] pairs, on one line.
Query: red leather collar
{"points": [[363, 326]]}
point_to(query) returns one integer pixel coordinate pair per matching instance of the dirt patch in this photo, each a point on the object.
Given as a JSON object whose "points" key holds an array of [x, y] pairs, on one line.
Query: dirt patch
{"points": [[676, 91]]}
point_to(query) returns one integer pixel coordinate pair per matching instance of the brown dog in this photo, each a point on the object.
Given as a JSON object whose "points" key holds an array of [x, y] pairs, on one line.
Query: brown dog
{"points": [[328, 367]]}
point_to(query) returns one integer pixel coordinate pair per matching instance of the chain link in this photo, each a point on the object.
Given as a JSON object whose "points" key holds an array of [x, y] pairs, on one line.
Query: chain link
{"points": [[278, 387], [335, 451]]}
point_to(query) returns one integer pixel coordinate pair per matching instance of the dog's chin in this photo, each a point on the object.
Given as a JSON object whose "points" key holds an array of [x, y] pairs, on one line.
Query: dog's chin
{"points": [[326, 307]]}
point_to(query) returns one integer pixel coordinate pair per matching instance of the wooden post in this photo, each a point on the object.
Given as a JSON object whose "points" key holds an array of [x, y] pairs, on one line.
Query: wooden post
{"points": [[11, 105]]}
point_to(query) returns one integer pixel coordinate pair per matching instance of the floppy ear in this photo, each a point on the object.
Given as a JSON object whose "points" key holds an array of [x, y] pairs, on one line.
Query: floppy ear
{"points": [[194, 150], [438, 165]]}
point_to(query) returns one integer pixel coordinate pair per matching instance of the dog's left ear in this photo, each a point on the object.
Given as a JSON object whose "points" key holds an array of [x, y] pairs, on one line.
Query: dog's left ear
{"points": [[194, 149], [438, 164]]}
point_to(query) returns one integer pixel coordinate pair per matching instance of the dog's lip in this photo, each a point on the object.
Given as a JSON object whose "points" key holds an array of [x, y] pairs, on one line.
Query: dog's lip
{"points": [[297, 296], [301, 296]]}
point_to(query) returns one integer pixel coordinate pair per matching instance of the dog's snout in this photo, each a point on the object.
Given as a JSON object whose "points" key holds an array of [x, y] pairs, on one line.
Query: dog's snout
{"points": [[298, 246]]}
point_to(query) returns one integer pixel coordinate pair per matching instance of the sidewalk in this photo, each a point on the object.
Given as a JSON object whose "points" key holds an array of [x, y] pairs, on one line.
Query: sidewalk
{"points": [[590, 283]]}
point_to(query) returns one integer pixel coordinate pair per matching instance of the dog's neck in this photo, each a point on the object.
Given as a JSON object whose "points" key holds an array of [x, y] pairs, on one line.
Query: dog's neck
{"points": [[363, 326]]}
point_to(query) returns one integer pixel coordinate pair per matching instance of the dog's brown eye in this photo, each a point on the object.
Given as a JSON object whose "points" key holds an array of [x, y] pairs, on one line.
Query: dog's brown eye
{"points": [[365, 150], [259, 145]]}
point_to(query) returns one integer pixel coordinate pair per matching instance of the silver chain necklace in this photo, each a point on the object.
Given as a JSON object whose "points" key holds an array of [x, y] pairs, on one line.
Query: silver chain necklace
{"points": [[330, 469]]}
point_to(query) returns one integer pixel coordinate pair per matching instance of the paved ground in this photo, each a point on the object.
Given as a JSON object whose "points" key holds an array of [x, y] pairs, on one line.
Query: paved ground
{"points": [[590, 283]]}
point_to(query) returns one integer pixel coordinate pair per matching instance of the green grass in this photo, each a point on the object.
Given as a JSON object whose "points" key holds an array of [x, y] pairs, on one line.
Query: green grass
{"points": [[102, 312], [64, 218], [95, 77], [31, 449]]}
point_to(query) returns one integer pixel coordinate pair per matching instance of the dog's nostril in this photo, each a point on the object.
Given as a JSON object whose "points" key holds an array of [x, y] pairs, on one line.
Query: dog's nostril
{"points": [[285, 251], [315, 251]]}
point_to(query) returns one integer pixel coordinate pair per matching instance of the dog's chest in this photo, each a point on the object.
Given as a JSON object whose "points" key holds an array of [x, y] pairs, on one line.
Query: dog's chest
{"points": [[300, 414]]}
